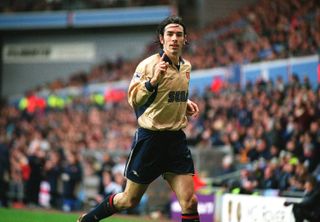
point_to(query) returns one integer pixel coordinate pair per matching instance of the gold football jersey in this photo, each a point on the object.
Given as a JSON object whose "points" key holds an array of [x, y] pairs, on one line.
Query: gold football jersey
{"points": [[160, 107]]}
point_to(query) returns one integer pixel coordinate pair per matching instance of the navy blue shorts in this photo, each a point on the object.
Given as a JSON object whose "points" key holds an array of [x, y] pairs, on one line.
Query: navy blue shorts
{"points": [[157, 152]]}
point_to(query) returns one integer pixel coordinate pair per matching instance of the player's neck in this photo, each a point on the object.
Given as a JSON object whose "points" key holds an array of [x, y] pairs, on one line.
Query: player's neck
{"points": [[174, 58]]}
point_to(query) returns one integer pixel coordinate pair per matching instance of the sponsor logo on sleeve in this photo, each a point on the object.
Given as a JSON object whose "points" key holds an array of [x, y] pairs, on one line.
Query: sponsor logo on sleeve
{"points": [[136, 76]]}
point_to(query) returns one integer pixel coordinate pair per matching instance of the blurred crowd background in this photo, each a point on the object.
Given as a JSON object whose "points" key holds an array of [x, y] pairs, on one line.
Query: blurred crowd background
{"points": [[74, 151]]}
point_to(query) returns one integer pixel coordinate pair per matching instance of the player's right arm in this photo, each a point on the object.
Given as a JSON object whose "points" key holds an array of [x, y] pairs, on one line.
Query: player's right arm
{"points": [[140, 87], [159, 71], [145, 81]]}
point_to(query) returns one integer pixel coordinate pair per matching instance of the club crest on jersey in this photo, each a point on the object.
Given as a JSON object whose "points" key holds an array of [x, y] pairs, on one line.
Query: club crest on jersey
{"points": [[188, 75]]}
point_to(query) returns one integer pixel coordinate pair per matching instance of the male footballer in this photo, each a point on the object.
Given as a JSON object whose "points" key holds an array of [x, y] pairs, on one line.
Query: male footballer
{"points": [[158, 93]]}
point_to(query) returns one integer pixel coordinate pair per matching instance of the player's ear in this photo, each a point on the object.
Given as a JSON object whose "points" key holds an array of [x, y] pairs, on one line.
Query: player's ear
{"points": [[161, 39]]}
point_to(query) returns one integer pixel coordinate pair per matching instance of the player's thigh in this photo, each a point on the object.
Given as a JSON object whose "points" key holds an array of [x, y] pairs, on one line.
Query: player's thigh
{"points": [[182, 185]]}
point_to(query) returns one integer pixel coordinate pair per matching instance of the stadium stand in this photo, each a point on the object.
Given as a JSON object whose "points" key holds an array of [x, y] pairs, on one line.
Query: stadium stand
{"points": [[260, 32]]}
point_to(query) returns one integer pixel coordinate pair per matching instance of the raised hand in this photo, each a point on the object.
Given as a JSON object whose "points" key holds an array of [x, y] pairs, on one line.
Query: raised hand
{"points": [[161, 69]]}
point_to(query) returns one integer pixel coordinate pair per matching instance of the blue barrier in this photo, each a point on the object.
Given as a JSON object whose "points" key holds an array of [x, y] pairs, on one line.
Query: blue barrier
{"points": [[270, 70], [30, 20], [202, 79], [120, 17], [84, 18]]}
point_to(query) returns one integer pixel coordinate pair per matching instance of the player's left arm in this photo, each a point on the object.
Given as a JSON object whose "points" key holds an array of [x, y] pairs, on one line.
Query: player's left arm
{"points": [[192, 109]]}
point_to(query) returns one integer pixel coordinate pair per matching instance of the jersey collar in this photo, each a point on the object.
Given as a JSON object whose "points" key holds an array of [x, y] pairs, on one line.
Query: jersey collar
{"points": [[167, 59]]}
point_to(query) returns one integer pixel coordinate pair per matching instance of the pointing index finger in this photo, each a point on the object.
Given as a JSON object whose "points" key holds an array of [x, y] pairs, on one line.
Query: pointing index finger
{"points": [[162, 57]]}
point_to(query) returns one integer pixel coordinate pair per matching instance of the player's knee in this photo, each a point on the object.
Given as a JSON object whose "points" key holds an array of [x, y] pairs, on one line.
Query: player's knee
{"points": [[190, 204]]}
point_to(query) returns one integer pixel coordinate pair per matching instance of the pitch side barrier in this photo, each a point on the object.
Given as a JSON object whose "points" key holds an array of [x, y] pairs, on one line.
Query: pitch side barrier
{"points": [[271, 70], [268, 70], [218, 207], [202, 79]]}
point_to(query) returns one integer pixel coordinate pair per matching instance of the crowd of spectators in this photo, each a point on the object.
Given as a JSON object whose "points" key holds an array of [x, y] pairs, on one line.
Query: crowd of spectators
{"points": [[267, 30], [264, 31], [48, 145], [273, 128]]}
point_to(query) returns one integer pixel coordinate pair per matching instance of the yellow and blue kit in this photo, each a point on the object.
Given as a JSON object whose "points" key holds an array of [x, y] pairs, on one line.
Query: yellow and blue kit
{"points": [[159, 145], [162, 107]]}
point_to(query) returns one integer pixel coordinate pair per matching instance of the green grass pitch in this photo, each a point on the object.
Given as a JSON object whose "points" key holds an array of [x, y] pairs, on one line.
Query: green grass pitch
{"points": [[27, 215]]}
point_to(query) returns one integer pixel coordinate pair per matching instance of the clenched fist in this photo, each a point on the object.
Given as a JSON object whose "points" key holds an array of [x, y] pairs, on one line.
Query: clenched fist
{"points": [[192, 109]]}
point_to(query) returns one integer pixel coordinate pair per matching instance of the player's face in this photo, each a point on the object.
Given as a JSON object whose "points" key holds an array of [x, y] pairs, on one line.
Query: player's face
{"points": [[173, 39]]}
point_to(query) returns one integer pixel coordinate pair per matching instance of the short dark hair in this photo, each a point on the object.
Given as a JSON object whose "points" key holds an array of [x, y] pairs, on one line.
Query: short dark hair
{"points": [[312, 180], [169, 20]]}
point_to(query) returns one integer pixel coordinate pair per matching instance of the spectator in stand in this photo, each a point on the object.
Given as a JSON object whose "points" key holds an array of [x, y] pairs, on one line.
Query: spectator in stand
{"points": [[248, 182], [286, 173], [90, 181], [19, 175], [309, 152], [228, 165], [260, 151], [71, 177], [301, 171], [293, 147], [309, 207], [268, 181], [110, 186], [36, 161], [4, 168], [52, 174], [295, 184]]}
